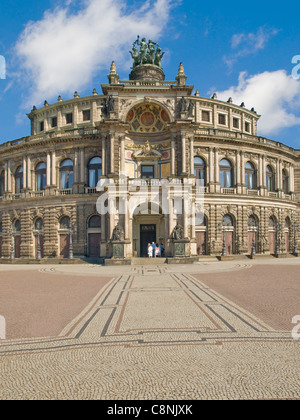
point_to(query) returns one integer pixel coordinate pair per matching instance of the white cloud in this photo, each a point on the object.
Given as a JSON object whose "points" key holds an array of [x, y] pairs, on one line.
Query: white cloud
{"points": [[245, 44], [61, 53], [274, 95]]}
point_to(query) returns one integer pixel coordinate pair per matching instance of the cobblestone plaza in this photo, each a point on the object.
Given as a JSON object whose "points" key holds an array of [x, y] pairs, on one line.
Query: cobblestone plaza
{"points": [[212, 330]]}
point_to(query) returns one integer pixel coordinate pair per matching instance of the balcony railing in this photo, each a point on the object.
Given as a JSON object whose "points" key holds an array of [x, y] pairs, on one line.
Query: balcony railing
{"points": [[64, 191], [90, 190], [228, 191], [253, 192]]}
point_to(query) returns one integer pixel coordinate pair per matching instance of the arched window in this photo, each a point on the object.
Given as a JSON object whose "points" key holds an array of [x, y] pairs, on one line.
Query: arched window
{"points": [[17, 226], [94, 222], [285, 182], [18, 180], [227, 221], [94, 171], [200, 220], [250, 176], [39, 224], [65, 223], [2, 183], [66, 174], [226, 174], [200, 170], [272, 222], [40, 176], [270, 179], [252, 222]]}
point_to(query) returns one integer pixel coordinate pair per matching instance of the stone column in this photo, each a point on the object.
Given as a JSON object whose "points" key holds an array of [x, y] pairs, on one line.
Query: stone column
{"points": [[292, 179], [183, 153], [192, 156], [59, 119], [122, 157], [112, 153], [173, 146], [211, 166], [75, 116], [103, 156], [76, 167], [278, 176], [48, 176], [9, 183], [82, 167], [24, 173], [263, 171], [217, 170], [29, 178], [238, 171], [53, 158]]}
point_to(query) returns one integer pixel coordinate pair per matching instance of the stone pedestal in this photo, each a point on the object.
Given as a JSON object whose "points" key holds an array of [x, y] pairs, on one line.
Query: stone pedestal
{"points": [[179, 248], [147, 72], [118, 249]]}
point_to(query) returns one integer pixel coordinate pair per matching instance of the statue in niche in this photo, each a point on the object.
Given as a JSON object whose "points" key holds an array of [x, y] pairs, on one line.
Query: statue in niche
{"points": [[118, 233], [178, 232], [183, 104], [110, 104], [191, 109]]}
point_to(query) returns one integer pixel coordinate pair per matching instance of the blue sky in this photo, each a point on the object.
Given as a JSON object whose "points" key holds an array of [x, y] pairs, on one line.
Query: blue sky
{"points": [[245, 51]]}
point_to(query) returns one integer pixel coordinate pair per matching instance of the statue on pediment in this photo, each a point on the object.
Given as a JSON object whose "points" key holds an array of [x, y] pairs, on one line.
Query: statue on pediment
{"points": [[144, 52]]}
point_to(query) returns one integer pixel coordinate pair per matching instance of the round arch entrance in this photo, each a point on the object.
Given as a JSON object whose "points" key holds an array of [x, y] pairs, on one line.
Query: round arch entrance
{"points": [[148, 225]]}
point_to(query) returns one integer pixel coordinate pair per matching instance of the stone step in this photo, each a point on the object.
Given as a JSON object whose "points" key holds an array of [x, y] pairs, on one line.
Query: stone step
{"points": [[148, 261]]}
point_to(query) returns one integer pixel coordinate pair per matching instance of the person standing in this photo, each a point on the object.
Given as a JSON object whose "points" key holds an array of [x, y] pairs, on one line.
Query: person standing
{"points": [[153, 249], [150, 251], [161, 249], [157, 251]]}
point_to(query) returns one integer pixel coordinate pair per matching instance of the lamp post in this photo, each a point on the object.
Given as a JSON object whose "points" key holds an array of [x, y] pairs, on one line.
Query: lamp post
{"points": [[222, 229], [263, 242], [71, 255], [12, 243], [253, 245], [38, 253], [278, 228], [295, 231]]}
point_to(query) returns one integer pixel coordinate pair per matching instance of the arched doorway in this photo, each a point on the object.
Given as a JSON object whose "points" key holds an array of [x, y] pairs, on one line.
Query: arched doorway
{"points": [[94, 236], [228, 234]]}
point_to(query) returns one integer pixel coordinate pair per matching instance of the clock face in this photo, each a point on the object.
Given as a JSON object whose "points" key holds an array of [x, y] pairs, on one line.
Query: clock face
{"points": [[148, 118]]}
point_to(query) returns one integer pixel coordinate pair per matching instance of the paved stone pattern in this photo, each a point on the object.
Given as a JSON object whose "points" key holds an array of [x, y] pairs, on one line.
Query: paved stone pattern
{"points": [[156, 332]]}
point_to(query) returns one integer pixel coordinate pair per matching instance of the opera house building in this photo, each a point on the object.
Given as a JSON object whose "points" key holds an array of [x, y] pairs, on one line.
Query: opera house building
{"points": [[146, 161]]}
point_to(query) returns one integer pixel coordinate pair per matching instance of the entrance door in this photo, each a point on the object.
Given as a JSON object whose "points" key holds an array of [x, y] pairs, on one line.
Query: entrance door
{"points": [[272, 242], [201, 243], [41, 245], [287, 241], [250, 242], [65, 246], [17, 246], [229, 242], [94, 245], [147, 236]]}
